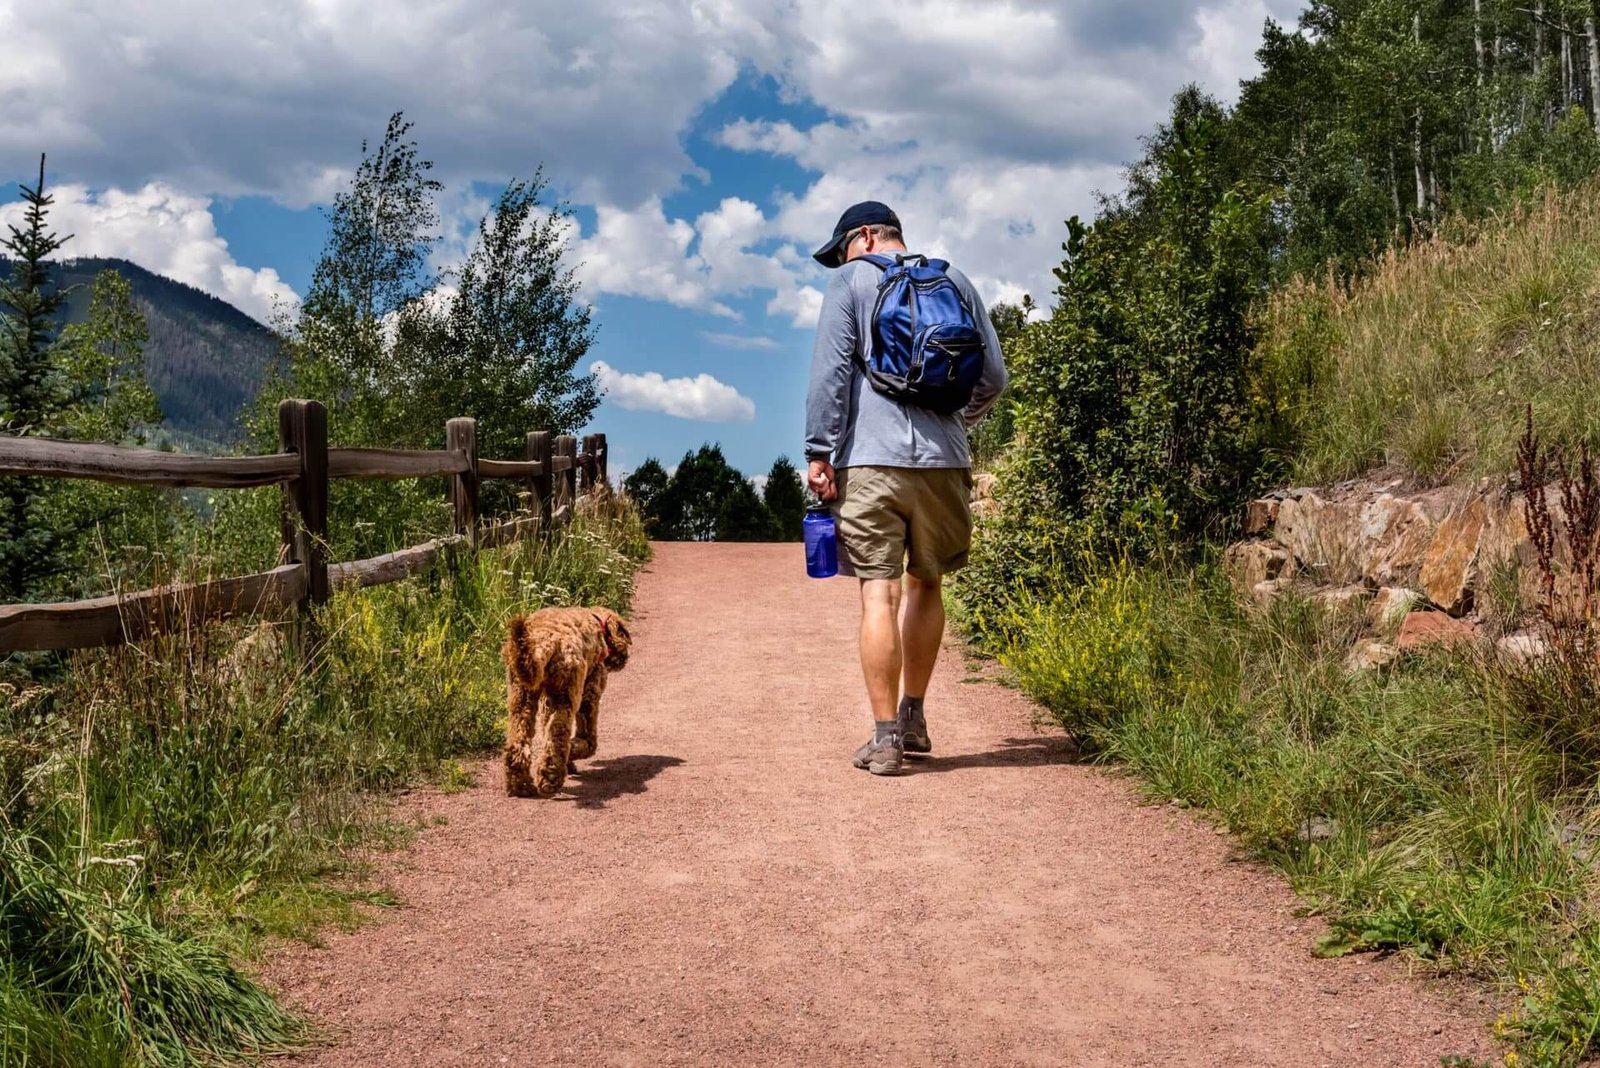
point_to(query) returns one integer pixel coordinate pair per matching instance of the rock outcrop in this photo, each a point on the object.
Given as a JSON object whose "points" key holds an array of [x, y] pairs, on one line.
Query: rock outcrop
{"points": [[1440, 547]]}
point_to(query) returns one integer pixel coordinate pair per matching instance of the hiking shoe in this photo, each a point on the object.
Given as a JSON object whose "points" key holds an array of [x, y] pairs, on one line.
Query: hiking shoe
{"points": [[880, 757], [914, 733]]}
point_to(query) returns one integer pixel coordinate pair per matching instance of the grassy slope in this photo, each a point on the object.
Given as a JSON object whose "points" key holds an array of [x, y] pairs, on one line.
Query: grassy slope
{"points": [[1425, 366]]}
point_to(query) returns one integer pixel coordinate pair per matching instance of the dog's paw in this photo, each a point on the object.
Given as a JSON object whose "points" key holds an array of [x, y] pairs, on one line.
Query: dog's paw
{"points": [[582, 748], [518, 783], [547, 780]]}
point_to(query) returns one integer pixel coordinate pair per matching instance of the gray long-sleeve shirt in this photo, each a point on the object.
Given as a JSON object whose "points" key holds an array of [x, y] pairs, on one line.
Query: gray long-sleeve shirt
{"points": [[851, 424]]}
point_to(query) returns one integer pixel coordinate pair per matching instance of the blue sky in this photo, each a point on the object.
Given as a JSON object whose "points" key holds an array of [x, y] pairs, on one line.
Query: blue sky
{"points": [[705, 147]]}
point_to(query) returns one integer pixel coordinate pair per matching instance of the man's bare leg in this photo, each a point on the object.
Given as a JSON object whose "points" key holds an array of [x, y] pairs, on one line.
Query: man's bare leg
{"points": [[921, 631], [880, 645]]}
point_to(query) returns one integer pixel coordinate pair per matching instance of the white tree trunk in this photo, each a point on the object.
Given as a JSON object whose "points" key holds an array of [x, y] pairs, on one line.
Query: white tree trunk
{"points": [[1594, 68], [1477, 37], [1566, 70], [1394, 182], [1538, 36], [1416, 131]]}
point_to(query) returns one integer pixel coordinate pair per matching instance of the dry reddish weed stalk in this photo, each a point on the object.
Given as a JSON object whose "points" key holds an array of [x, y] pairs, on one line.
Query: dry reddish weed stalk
{"points": [[1579, 486]]}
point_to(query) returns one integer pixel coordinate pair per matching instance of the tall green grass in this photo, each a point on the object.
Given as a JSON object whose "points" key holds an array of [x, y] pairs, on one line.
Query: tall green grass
{"points": [[167, 806], [1425, 809], [1425, 366]]}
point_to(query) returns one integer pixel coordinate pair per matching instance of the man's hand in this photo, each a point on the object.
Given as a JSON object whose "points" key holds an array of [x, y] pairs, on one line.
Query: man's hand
{"points": [[820, 479]]}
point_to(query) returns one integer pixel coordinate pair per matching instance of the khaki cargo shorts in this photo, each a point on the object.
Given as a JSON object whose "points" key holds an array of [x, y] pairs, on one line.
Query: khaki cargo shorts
{"points": [[897, 519]]}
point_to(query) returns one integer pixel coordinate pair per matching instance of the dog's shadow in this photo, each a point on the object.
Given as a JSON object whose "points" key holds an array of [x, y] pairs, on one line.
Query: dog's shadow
{"points": [[598, 781], [1010, 753]]}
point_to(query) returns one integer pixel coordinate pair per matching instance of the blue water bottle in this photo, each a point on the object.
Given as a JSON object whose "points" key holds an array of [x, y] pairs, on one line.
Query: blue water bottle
{"points": [[822, 544]]}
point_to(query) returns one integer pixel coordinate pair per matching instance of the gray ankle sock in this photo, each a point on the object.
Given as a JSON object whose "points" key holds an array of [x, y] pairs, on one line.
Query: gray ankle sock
{"points": [[885, 728], [910, 708]]}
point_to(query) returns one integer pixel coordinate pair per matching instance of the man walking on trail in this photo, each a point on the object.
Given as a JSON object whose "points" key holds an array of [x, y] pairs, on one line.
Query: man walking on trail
{"points": [[897, 471]]}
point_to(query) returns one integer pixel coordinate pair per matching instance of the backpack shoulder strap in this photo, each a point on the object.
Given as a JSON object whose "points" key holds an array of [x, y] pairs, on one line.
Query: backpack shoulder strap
{"points": [[883, 263], [942, 266]]}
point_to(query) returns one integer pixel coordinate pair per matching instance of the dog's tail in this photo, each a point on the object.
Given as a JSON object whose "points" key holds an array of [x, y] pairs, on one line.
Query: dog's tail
{"points": [[522, 655]]}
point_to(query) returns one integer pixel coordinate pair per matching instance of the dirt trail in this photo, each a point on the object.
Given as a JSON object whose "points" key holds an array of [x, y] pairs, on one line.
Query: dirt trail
{"points": [[720, 886]]}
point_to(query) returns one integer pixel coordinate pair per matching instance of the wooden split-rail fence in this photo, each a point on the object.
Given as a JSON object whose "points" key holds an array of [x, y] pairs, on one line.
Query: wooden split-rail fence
{"points": [[554, 472]]}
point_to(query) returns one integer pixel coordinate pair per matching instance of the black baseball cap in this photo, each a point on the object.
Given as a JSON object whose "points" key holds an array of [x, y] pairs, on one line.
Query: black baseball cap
{"points": [[866, 213]]}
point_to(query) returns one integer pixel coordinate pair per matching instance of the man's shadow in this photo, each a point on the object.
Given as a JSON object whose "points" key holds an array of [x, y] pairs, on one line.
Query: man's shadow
{"points": [[1040, 749], [598, 781]]}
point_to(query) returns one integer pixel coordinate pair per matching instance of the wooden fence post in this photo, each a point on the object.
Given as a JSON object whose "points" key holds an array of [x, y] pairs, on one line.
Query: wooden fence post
{"points": [[462, 433], [567, 481], [303, 430], [586, 484], [600, 472], [541, 485]]}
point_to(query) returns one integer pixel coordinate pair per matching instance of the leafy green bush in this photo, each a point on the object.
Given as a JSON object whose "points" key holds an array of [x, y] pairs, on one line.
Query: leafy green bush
{"points": [[1134, 420]]}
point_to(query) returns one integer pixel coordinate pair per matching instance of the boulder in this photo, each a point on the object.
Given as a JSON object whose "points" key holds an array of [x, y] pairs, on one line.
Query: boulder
{"points": [[1370, 656], [1395, 532], [1426, 628], [1250, 563], [1318, 534], [1378, 539], [1389, 607], [1261, 515], [1448, 568], [1523, 648], [1264, 593], [1344, 600], [1318, 829]]}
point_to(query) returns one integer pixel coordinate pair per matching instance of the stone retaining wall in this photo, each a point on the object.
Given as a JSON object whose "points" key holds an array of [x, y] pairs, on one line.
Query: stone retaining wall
{"points": [[1438, 564]]}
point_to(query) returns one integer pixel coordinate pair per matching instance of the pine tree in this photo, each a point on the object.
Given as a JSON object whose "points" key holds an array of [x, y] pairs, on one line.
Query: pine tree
{"points": [[785, 499], [645, 485], [741, 516], [29, 384], [30, 544]]}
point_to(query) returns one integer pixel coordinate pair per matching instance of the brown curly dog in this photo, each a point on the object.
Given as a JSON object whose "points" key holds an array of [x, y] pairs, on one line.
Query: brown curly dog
{"points": [[557, 661]]}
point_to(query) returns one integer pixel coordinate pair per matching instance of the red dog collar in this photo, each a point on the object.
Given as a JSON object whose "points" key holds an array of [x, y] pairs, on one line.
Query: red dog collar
{"points": [[605, 635]]}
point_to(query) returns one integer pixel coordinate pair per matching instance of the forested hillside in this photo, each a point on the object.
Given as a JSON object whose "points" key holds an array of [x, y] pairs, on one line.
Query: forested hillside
{"points": [[205, 358]]}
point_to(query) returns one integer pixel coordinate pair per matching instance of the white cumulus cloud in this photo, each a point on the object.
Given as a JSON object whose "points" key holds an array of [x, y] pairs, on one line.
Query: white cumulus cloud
{"points": [[985, 123], [275, 98], [163, 231], [738, 341], [701, 398]]}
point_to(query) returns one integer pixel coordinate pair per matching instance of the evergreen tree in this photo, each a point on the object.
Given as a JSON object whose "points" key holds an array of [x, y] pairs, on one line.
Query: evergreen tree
{"points": [[741, 516], [31, 546], [785, 499], [692, 502], [85, 383], [29, 305], [645, 485]]}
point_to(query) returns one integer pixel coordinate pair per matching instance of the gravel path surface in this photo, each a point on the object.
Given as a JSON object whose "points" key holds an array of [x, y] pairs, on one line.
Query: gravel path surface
{"points": [[720, 887]]}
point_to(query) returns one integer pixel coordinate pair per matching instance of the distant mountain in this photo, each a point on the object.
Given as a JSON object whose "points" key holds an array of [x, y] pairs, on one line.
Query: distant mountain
{"points": [[205, 359]]}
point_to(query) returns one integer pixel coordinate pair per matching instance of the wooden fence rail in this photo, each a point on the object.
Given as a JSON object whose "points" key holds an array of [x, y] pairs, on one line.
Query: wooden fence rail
{"points": [[552, 474]]}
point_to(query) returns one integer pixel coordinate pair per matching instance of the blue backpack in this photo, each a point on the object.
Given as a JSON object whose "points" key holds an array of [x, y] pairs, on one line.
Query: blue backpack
{"points": [[926, 348]]}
